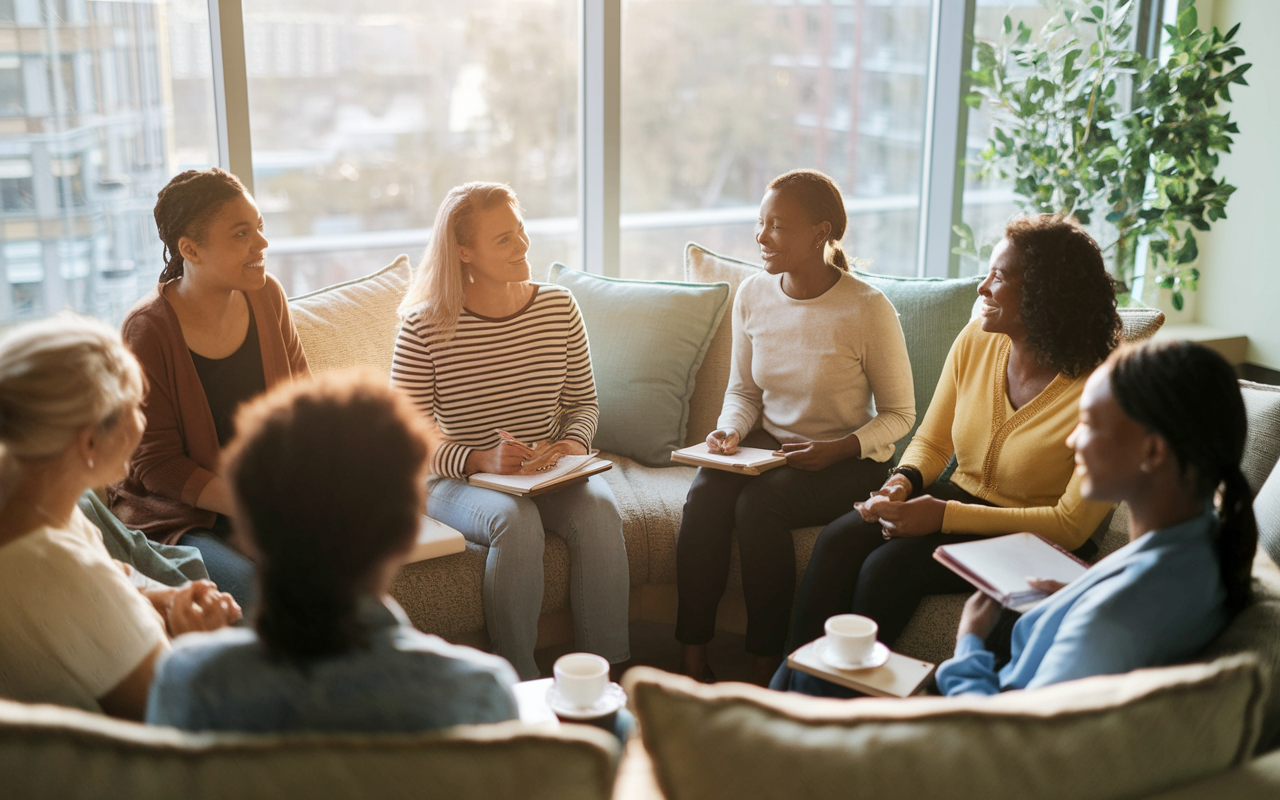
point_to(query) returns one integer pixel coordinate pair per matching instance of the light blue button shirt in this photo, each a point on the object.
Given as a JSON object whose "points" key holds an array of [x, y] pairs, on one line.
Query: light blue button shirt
{"points": [[1158, 600], [406, 681]]}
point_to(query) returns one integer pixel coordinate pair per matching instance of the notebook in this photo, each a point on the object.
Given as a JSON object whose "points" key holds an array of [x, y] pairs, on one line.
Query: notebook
{"points": [[747, 461], [568, 470], [435, 539], [1000, 566], [900, 676]]}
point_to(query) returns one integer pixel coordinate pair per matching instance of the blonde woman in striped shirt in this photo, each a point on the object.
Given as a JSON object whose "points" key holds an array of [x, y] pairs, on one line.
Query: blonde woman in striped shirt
{"points": [[500, 363]]}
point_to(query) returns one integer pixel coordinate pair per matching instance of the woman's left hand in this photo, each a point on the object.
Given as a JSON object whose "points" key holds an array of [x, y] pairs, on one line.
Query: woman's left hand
{"points": [[546, 455], [811, 456], [916, 517], [979, 617]]}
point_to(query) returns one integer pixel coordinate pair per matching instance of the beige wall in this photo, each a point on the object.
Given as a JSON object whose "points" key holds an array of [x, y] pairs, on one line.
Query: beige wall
{"points": [[1240, 257]]}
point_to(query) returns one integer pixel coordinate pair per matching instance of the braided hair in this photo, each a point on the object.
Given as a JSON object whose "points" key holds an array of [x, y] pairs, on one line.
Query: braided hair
{"points": [[820, 197], [186, 206], [1206, 427]]}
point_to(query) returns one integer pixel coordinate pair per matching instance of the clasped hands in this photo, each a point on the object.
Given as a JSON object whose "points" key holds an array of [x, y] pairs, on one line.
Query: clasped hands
{"points": [[808, 456], [514, 457], [899, 516], [194, 606]]}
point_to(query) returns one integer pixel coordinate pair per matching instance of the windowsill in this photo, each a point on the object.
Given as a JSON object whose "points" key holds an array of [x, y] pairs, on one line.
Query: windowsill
{"points": [[1232, 345]]}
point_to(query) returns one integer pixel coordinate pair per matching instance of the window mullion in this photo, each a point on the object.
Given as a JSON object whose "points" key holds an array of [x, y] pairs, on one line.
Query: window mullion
{"points": [[599, 134], [946, 126], [231, 89]]}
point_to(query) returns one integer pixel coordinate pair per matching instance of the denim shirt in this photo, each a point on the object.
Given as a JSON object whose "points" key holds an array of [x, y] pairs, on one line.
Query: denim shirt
{"points": [[1157, 600], [406, 681]]}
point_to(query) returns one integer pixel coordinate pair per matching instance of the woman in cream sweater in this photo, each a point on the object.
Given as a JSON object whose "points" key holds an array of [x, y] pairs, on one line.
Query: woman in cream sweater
{"points": [[820, 374], [1005, 404]]}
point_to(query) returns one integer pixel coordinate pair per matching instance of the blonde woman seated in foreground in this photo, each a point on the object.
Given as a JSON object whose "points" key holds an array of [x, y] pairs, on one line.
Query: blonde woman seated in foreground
{"points": [[78, 628]]}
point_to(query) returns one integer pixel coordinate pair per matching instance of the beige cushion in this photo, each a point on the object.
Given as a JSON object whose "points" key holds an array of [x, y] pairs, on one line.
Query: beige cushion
{"points": [[47, 751], [1140, 323], [1262, 402], [1257, 780], [354, 323], [1104, 737]]}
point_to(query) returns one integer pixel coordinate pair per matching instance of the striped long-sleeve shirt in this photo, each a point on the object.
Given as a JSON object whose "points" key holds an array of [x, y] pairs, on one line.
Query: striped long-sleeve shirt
{"points": [[528, 374]]}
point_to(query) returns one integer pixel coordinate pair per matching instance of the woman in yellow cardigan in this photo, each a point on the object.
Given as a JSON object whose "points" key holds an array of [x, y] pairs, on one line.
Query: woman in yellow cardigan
{"points": [[1005, 404]]}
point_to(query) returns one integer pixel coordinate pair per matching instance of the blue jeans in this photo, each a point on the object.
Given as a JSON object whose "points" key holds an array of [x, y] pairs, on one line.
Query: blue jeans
{"points": [[586, 516], [230, 569]]}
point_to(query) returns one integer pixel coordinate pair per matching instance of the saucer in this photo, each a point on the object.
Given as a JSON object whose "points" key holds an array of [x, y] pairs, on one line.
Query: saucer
{"points": [[879, 657], [610, 701]]}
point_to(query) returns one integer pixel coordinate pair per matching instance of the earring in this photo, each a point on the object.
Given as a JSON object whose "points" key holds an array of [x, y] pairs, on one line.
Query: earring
{"points": [[90, 463], [471, 277], [1144, 466]]}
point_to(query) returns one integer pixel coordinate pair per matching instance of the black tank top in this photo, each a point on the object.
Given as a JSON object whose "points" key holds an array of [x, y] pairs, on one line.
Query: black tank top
{"points": [[230, 381]]}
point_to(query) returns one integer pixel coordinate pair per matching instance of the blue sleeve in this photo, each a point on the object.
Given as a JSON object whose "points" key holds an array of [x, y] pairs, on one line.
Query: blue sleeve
{"points": [[970, 671], [171, 701], [1094, 638]]}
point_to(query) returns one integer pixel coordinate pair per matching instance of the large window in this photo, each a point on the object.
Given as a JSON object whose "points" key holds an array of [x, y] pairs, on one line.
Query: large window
{"points": [[739, 91], [364, 113], [89, 132]]}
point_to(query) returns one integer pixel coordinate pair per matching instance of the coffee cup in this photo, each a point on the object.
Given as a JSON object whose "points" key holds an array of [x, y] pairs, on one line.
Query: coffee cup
{"points": [[851, 637], [581, 678]]}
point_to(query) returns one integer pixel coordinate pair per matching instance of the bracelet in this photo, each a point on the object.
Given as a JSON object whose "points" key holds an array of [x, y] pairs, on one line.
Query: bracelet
{"points": [[912, 474]]}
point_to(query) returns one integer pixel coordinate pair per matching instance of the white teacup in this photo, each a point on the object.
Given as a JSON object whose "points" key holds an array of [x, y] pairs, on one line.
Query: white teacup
{"points": [[581, 678], [851, 637]]}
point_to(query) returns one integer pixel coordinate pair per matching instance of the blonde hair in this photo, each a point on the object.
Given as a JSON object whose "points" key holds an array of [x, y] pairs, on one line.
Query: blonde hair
{"points": [[58, 376], [436, 286]]}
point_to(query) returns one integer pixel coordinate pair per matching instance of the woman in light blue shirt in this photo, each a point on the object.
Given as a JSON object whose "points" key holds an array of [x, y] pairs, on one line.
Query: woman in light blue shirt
{"points": [[1162, 428], [328, 480]]}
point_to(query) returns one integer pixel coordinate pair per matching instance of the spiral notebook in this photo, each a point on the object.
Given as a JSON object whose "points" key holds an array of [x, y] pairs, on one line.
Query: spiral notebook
{"points": [[568, 470], [746, 461]]}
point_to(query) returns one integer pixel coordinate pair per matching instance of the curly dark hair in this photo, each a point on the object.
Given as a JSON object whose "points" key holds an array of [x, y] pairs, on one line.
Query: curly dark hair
{"points": [[186, 206], [1068, 299], [329, 478]]}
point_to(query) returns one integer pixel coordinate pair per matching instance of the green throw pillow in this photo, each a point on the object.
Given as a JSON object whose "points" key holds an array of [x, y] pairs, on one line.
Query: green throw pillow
{"points": [[647, 340]]}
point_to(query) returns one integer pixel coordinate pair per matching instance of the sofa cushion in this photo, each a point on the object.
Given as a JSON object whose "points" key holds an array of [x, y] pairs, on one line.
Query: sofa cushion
{"points": [[353, 323], [55, 752], [647, 340], [1262, 403], [1266, 508], [1110, 736], [932, 311]]}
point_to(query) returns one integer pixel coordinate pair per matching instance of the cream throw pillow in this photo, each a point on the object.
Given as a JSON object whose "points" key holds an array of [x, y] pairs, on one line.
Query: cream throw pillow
{"points": [[352, 324], [1105, 737]]}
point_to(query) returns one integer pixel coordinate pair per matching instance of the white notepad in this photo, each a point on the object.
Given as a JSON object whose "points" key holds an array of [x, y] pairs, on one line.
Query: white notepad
{"points": [[746, 461], [568, 469], [1000, 566], [435, 539]]}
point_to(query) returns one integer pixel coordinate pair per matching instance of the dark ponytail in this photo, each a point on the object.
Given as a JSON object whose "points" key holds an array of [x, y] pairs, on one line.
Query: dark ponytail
{"points": [[1189, 396], [329, 478], [820, 197], [186, 206]]}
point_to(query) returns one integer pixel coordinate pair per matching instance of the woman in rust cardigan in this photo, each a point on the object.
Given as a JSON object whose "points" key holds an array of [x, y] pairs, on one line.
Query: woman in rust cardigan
{"points": [[215, 332]]}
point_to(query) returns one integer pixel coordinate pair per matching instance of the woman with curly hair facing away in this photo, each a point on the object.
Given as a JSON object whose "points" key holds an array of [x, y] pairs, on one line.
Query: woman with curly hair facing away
{"points": [[1167, 453], [1005, 404], [215, 332], [328, 478]]}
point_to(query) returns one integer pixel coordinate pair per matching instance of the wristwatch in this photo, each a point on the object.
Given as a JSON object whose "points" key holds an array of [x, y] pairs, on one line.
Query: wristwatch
{"points": [[912, 474]]}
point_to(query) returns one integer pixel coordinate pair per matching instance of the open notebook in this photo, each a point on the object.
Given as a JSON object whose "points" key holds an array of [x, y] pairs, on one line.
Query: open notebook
{"points": [[435, 539], [746, 461], [1000, 566], [569, 469]]}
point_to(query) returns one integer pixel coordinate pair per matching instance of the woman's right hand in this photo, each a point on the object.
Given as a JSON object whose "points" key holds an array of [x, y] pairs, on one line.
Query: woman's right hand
{"points": [[897, 489], [722, 442], [506, 458], [199, 606]]}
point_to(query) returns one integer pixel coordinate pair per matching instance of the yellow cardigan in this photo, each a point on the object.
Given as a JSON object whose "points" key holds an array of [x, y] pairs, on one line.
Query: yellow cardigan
{"points": [[1017, 460]]}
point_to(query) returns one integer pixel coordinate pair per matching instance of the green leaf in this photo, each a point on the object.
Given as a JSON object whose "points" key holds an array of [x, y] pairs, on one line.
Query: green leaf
{"points": [[1188, 252], [1178, 302], [1008, 24], [1187, 21]]}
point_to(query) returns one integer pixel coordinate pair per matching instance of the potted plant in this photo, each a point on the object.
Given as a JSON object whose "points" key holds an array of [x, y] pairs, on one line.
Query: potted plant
{"points": [[1087, 126]]}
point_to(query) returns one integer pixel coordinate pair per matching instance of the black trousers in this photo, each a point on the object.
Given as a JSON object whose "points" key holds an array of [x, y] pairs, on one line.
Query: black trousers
{"points": [[761, 510], [854, 568]]}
